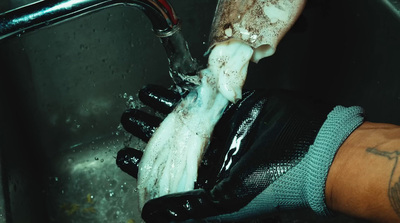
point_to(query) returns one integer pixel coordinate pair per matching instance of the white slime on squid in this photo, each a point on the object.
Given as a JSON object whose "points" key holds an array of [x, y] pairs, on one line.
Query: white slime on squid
{"points": [[173, 154]]}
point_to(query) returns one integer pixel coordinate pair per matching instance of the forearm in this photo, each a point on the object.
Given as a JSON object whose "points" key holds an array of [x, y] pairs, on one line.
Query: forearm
{"points": [[364, 179]]}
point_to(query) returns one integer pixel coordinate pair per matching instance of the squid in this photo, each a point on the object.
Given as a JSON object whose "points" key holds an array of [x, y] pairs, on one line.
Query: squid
{"points": [[172, 155], [243, 31]]}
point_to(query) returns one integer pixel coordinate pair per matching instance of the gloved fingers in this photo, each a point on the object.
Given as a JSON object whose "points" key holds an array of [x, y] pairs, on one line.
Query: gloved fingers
{"points": [[143, 125], [159, 98], [195, 204], [128, 160], [139, 123]]}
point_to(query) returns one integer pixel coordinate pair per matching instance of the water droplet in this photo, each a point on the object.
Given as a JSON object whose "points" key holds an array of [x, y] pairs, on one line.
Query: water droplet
{"points": [[96, 158]]}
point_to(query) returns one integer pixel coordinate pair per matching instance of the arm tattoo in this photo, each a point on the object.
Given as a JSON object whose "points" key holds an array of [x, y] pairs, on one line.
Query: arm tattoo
{"points": [[394, 183]]}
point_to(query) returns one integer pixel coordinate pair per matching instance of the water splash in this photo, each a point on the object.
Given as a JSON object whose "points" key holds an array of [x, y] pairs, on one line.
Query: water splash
{"points": [[182, 66]]}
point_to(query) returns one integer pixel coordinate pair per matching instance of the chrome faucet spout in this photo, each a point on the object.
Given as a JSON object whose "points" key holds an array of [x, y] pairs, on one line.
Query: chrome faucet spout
{"points": [[165, 23], [49, 12]]}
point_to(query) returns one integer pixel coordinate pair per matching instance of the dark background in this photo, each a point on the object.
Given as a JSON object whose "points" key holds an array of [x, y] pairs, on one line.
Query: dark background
{"points": [[73, 74]]}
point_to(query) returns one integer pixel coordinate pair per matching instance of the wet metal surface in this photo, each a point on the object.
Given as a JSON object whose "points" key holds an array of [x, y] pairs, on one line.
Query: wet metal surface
{"points": [[46, 13], [63, 90]]}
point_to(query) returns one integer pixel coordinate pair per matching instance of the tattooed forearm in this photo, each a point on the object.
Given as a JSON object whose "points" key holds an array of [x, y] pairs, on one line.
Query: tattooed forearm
{"points": [[389, 155], [394, 182]]}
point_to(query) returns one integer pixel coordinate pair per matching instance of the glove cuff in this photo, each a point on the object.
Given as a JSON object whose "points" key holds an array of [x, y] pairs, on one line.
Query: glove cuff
{"points": [[340, 123]]}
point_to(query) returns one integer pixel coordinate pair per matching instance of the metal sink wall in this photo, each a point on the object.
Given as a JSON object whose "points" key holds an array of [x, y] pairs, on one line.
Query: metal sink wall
{"points": [[64, 88]]}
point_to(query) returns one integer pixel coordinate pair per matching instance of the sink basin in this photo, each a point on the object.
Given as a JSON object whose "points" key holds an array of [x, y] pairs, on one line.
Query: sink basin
{"points": [[64, 88]]}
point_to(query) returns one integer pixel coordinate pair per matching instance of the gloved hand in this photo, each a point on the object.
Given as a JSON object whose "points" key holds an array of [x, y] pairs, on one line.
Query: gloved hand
{"points": [[270, 151]]}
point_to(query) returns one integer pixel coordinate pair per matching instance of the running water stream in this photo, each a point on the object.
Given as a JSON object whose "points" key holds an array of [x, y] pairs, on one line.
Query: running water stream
{"points": [[241, 32], [171, 158]]}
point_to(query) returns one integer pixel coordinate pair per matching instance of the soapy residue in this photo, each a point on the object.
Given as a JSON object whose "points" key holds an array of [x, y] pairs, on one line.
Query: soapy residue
{"points": [[172, 156]]}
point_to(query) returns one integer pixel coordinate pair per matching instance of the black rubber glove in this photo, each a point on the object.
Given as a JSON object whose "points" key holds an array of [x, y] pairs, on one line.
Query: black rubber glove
{"points": [[257, 161]]}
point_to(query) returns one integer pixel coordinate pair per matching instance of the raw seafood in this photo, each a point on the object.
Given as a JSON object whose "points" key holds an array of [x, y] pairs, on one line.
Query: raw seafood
{"points": [[172, 156], [259, 23]]}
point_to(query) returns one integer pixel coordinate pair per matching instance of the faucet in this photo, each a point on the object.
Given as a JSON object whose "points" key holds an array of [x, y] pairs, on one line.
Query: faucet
{"points": [[166, 25]]}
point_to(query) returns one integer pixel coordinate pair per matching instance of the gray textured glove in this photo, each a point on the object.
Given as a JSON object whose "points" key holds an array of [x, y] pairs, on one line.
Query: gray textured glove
{"points": [[270, 151]]}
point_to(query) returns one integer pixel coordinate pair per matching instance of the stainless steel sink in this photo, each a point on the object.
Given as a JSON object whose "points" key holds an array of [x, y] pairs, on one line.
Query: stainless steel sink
{"points": [[64, 88]]}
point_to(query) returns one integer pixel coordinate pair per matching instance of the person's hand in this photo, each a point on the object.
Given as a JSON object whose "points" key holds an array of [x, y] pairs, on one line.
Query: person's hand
{"points": [[264, 156]]}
